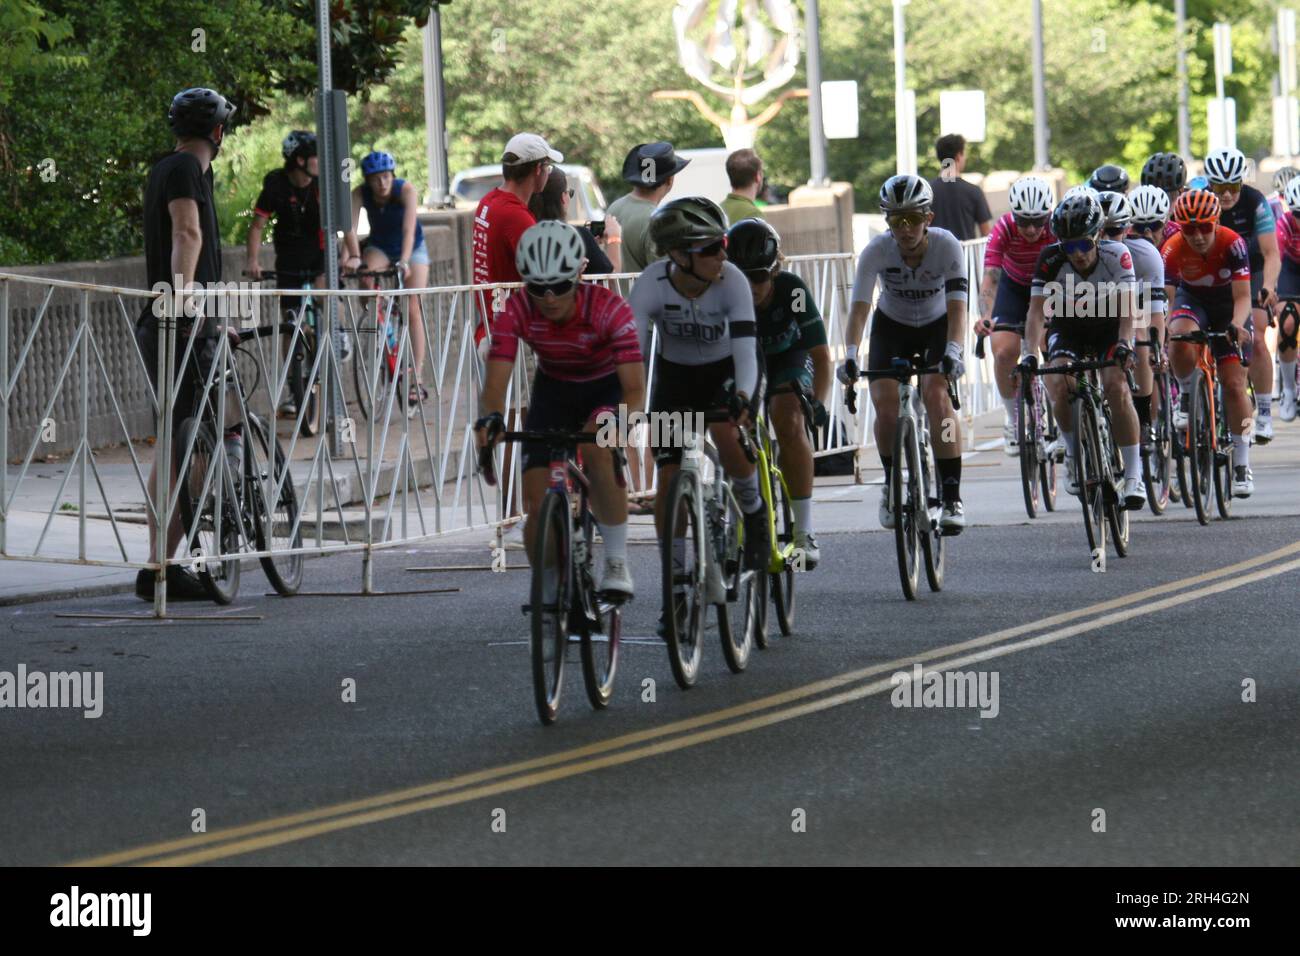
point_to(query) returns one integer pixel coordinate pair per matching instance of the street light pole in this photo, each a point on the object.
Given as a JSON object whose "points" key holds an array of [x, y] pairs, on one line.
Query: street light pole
{"points": [[1184, 116], [902, 137], [435, 112], [1040, 93], [816, 130]]}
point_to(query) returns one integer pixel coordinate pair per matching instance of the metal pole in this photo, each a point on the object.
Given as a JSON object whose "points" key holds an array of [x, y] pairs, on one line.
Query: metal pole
{"points": [[435, 112], [816, 131], [1184, 116], [1040, 92], [330, 164], [1286, 71], [4, 411], [901, 150]]}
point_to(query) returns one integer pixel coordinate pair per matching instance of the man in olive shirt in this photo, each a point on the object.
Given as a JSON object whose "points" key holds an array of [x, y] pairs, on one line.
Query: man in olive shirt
{"points": [[745, 170], [959, 206], [650, 168]]}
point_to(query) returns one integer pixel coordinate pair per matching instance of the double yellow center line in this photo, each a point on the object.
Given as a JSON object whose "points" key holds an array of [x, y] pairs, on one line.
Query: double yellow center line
{"points": [[798, 702]]}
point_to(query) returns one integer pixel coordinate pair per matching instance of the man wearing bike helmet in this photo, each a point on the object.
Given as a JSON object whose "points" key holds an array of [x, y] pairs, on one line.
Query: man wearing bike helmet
{"points": [[1109, 179], [707, 352], [291, 196], [1207, 271], [1246, 212], [922, 309], [182, 249], [1086, 284], [1277, 201], [792, 337], [1288, 290], [396, 238], [1009, 261], [584, 338], [1168, 172]]}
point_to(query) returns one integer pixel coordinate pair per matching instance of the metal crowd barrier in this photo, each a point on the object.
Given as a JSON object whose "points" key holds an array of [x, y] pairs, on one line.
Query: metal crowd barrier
{"points": [[376, 482]]}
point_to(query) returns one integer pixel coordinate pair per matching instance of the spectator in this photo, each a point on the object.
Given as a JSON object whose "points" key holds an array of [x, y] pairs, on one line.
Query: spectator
{"points": [[502, 216], [959, 206], [182, 249], [650, 168], [745, 170], [553, 203]]}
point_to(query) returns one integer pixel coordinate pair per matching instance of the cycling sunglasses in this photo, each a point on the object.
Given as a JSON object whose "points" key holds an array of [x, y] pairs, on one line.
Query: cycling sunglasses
{"points": [[1225, 189], [1147, 226], [1199, 228], [759, 276], [538, 290], [904, 219], [1114, 232], [1030, 222], [712, 249], [1074, 247]]}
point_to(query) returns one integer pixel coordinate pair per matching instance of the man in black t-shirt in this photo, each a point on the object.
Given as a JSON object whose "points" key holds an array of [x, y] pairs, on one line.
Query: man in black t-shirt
{"points": [[959, 206], [182, 247], [291, 196]]}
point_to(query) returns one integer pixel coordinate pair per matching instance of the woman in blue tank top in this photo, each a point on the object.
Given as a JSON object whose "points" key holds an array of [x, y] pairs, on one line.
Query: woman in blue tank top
{"points": [[396, 238]]}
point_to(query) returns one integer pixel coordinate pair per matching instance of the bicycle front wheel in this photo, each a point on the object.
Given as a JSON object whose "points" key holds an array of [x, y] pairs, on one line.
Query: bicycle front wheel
{"points": [[682, 552], [1201, 460], [738, 635], [1047, 433], [549, 605], [933, 547], [1091, 475], [1157, 466], [782, 582], [905, 488], [1116, 512], [277, 526], [1029, 430], [1222, 459]]}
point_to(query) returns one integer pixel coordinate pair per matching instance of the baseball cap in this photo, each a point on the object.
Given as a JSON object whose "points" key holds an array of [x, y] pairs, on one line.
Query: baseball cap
{"points": [[528, 148]]}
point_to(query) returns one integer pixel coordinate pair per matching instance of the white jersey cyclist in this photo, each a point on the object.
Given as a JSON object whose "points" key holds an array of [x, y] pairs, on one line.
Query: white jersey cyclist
{"points": [[914, 297]]}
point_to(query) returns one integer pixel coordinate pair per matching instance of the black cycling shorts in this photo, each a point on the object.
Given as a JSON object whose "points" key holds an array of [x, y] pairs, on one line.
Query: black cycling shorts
{"points": [[688, 388], [315, 265], [1081, 339], [1010, 306], [890, 340], [568, 406], [1213, 318]]}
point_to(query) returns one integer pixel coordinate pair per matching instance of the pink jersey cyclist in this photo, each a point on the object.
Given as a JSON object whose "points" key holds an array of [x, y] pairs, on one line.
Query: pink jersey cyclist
{"points": [[1011, 252], [601, 335]]}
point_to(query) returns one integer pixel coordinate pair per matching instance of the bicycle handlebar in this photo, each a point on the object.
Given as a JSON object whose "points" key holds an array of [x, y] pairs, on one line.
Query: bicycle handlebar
{"points": [[902, 370]]}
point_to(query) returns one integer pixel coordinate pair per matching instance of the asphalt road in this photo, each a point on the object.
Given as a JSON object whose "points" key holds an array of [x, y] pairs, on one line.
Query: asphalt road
{"points": [[1120, 735]]}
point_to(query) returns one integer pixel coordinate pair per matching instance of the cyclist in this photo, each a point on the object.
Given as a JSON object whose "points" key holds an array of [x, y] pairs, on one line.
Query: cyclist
{"points": [[1166, 171], [1246, 212], [396, 238], [793, 339], [1210, 267], [1148, 323], [922, 275], [1009, 261], [704, 312], [1288, 288], [1109, 179], [1277, 201], [588, 361], [1088, 285]]}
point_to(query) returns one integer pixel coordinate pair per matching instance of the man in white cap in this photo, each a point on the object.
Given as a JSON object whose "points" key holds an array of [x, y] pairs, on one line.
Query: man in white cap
{"points": [[502, 215]]}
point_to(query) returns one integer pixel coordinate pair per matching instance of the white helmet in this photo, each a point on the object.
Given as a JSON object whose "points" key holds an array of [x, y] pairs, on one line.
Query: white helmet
{"points": [[1150, 204], [1031, 197], [1081, 188], [1293, 194], [1117, 209], [1225, 166], [550, 251]]}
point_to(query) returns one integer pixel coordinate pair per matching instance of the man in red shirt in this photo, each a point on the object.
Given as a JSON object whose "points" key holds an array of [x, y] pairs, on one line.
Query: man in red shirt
{"points": [[502, 216]]}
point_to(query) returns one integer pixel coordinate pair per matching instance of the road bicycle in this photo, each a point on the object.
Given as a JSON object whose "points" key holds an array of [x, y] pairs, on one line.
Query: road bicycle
{"points": [[379, 336], [1207, 444], [1099, 467], [1036, 431], [1158, 464], [703, 514], [227, 476], [563, 596], [913, 480], [302, 373]]}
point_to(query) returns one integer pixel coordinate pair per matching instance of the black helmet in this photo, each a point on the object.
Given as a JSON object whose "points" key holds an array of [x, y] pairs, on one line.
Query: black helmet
{"points": [[198, 111], [753, 245], [1166, 170], [300, 142], [1109, 179], [650, 164], [687, 222], [1078, 217]]}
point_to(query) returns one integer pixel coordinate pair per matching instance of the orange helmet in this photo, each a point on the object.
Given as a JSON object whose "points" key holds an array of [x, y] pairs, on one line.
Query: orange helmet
{"points": [[1196, 205]]}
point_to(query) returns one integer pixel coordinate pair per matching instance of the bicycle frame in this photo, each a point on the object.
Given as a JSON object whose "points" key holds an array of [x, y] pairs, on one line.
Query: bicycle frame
{"points": [[769, 471]]}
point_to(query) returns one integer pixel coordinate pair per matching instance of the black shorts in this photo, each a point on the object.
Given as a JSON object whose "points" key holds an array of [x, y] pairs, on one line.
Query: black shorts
{"points": [[1288, 280], [1213, 318], [1011, 306], [688, 388], [557, 404], [1081, 339], [890, 340], [191, 378], [315, 265]]}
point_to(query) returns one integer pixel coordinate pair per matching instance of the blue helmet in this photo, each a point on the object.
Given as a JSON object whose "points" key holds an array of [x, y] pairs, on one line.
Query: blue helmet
{"points": [[378, 162]]}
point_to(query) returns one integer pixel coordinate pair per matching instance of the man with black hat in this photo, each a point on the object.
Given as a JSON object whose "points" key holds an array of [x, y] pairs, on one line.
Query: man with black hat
{"points": [[650, 168]]}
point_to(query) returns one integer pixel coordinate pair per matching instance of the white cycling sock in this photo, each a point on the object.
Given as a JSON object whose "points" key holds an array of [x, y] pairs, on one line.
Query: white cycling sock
{"points": [[1184, 386], [615, 536], [1264, 403], [1010, 405], [1240, 451], [747, 496], [1288, 379], [1132, 461], [802, 508]]}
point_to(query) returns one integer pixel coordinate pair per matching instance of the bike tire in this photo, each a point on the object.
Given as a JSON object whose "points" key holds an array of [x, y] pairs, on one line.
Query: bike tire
{"points": [[197, 510], [1117, 516], [1047, 464], [1201, 461], [602, 636], [1028, 430], [906, 521], [738, 636], [1156, 463], [549, 632], [684, 608], [1222, 460], [1090, 475], [275, 527], [933, 548], [782, 583]]}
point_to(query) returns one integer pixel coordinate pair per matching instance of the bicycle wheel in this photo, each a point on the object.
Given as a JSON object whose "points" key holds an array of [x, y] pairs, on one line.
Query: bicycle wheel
{"points": [[932, 539], [1222, 459], [738, 635], [1090, 475], [198, 511], [683, 584], [782, 582], [1116, 514], [368, 354], [601, 633], [1029, 432], [1200, 462], [1047, 433], [306, 394], [549, 603], [1156, 463], [275, 526], [905, 487]]}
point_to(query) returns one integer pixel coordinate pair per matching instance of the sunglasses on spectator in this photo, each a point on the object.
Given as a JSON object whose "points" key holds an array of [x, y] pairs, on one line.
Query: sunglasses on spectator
{"points": [[538, 290], [712, 249], [1225, 189], [1199, 228], [1076, 247], [904, 219], [1030, 222]]}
